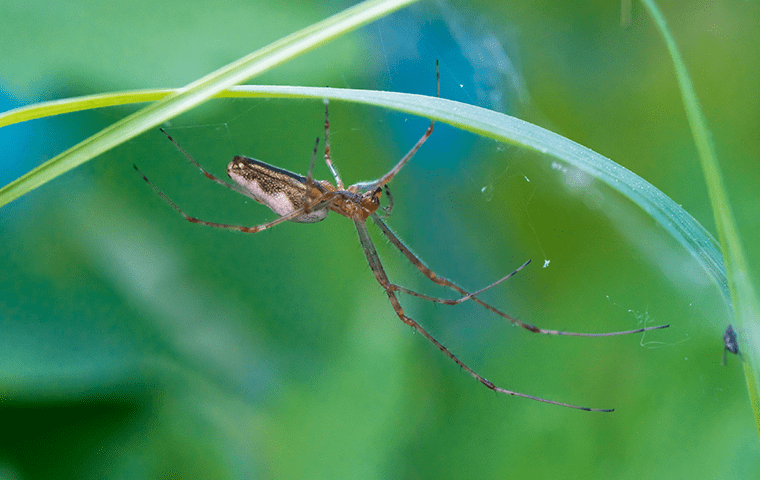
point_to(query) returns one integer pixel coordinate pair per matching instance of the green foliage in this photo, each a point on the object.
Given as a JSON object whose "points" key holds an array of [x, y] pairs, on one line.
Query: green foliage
{"points": [[137, 345]]}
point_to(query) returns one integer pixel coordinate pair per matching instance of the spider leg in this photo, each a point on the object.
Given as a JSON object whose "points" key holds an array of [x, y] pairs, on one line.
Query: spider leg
{"points": [[241, 228], [309, 177], [444, 301], [328, 160], [192, 160], [447, 283], [382, 279], [389, 176]]}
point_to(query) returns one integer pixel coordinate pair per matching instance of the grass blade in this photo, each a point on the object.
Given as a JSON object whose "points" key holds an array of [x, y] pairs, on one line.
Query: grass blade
{"points": [[199, 91], [743, 294], [682, 226]]}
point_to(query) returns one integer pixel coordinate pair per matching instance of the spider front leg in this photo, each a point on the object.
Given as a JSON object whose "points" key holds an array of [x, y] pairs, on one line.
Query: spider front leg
{"points": [[192, 160], [382, 279], [389, 176]]}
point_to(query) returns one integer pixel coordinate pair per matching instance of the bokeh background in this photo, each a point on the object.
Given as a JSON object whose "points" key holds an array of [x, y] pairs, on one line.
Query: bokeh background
{"points": [[134, 344]]}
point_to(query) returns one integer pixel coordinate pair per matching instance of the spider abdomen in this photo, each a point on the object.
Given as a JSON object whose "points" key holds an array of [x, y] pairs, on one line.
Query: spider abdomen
{"points": [[281, 190]]}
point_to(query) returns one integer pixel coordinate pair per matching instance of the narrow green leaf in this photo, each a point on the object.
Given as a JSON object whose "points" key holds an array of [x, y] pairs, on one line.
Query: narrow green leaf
{"points": [[743, 295], [199, 91], [682, 226]]}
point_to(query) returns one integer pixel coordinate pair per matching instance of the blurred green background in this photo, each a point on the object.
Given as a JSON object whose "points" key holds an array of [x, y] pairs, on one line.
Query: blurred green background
{"points": [[137, 345]]}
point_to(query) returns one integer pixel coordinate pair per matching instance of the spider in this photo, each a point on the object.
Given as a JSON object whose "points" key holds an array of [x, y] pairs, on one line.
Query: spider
{"points": [[731, 343], [302, 199]]}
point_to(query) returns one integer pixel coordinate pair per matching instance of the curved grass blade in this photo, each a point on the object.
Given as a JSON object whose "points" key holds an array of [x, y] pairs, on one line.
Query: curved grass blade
{"points": [[201, 90], [743, 295], [682, 226]]}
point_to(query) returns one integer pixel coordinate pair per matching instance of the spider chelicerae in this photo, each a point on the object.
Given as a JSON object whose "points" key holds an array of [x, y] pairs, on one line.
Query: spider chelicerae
{"points": [[305, 200]]}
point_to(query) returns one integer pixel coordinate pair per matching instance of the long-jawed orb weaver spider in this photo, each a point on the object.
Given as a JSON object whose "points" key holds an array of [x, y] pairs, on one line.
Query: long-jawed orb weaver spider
{"points": [[305, 200]]}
